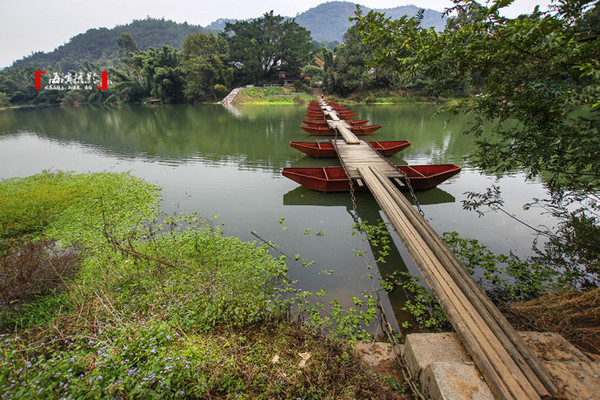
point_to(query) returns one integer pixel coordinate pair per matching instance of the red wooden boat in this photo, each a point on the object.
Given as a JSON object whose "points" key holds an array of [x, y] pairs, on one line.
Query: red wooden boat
{"points": [[334, 179], [326, 149], [322, 116], [358, 122], [325, 130], [330, 103], [319, 109], [317, 104]]}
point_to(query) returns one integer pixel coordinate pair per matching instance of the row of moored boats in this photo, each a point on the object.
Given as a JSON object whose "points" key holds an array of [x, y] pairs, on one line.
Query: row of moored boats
{"points": [[334, 179]]}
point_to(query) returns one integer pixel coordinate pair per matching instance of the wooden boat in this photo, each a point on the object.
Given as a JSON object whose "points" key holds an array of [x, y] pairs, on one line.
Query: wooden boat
{"points": [[334, 179], [322, 116], [316, 103], [358, 122], [326, 149], [332, 104], [319, 109], [321, 112], [325, 130]]}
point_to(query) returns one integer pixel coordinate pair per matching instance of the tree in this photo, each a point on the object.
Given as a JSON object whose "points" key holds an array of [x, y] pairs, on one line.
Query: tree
{"points": [[17, 84], [129, 86], [315, 73], [155, 73], [205, 65], [265, 46], [162, 71], [538, 84], [4, 100], [127, 45], [403, 45], [350, 71]]}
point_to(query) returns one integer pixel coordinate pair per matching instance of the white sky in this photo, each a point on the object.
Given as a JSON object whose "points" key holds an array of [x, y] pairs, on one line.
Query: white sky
{"points": [[27, 26]]}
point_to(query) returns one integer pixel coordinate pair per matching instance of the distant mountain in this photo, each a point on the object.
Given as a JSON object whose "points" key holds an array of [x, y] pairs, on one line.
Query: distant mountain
{"points": [[326, 22], [100, 45], [219, 25], [329, 21]]}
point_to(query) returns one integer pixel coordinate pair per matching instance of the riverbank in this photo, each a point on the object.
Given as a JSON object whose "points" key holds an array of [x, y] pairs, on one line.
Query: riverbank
{"points": [[272, 95], [290, 95], [105, 297]]}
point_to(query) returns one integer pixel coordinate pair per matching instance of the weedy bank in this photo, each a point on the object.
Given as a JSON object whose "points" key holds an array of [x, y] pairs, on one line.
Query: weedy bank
{"points": [[102, 296]]}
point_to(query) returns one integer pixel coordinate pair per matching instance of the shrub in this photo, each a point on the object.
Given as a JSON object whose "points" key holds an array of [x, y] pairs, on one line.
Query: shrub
{"points": [[4, 100], [220, 91], [31, 268], [73, 98]]}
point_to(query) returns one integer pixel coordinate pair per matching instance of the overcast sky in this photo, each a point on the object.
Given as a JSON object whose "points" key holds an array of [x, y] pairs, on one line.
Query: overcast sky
{"points": [[28, 26]]}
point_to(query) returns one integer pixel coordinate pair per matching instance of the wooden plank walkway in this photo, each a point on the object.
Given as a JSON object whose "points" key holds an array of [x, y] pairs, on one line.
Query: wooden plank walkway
{"points": [[509, 367], [353, 156], [339, 125], [344, 129], [507, 364]]}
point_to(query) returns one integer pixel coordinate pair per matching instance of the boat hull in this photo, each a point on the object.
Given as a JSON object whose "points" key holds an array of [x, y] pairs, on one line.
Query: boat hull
{"points": [[309, 122], [326, 149], [342, 115], [334, 179], [326, 131]]}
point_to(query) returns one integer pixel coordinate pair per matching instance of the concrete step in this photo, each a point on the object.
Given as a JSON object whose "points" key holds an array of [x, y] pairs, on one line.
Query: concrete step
{"points": [[446, 371]]}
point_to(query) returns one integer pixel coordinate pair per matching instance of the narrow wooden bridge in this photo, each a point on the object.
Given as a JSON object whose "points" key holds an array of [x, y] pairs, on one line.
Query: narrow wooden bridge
{"points": [[509, 367]]}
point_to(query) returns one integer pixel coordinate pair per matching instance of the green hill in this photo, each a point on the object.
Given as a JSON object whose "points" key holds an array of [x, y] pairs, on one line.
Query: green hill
{"points": [[326, 22], [100, 45]]}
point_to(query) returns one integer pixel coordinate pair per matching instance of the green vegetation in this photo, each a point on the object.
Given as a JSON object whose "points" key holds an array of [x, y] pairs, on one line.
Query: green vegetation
{"points": [[531, 295], [348, 72], [536, 86], [205, 66], [4, 100], [273, 95], [71, 207], [145, 59], [268, 46], [102, 296]]}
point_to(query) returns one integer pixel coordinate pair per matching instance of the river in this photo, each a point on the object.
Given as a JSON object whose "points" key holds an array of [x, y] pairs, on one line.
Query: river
{"points": [[227, 162]]}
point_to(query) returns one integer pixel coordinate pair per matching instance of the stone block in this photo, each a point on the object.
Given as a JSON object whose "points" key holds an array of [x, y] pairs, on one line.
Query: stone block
{"points": [[375, 353], [422, 349], [446, 371], [579, 380], [550, 346], [453, 381]]}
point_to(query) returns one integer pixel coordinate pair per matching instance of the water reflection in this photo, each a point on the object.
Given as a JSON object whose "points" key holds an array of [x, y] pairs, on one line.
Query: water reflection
{"points": [[251, 136]]}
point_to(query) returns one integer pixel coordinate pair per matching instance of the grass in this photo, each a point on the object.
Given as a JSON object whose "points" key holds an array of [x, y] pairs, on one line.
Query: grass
{"points": [[72, 206], [573, 314], [272, 95], [150, 306]]}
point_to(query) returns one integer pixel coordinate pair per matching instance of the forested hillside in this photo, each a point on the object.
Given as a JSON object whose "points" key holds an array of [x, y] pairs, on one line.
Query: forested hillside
{"points": [[100, 45], [326, 22]]}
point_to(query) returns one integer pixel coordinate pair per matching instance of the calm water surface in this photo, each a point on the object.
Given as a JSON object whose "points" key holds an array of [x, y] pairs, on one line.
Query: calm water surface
{"points": [[228, 163]]}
